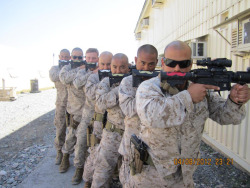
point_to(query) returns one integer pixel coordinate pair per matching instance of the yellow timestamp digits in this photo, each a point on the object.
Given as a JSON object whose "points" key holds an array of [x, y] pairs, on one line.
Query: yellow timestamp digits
{"points": [[190, 161], [202, 161]]}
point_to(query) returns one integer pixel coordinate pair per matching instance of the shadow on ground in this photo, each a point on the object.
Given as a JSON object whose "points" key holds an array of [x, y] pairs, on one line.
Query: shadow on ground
{"points": [[39, 131]]}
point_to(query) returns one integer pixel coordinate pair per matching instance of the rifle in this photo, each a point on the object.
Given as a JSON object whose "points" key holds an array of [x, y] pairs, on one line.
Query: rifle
{"points": [[75, 64], [116, 78], [140, 146], [90, 65], [216, 74], [61, 63], [103, 73], [139, 76]]}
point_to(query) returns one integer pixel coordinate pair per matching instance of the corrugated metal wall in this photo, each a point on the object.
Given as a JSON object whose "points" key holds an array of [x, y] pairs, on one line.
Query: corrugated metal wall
{"points": [[187, 20]]}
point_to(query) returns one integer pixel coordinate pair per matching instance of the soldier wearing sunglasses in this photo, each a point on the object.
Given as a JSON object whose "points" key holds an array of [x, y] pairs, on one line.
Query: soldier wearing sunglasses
{"points": [[172, 121], [75, 103], [92, 56]]}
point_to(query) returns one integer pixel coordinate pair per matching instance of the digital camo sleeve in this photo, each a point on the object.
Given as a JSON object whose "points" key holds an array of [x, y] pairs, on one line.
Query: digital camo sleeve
{"points": [[54, 74], [224, 111], [67, 74], [91, 86], [127, 99], [80, 79], [160, 111], [106, 97]]}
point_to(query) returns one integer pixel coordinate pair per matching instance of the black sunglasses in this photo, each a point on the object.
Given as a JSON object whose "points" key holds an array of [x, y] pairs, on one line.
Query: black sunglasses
{"points": [[172, 63], [77, 57]]}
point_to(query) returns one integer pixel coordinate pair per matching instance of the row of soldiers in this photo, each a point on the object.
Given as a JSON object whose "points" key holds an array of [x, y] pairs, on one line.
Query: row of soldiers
{"points": [[147, 129]]}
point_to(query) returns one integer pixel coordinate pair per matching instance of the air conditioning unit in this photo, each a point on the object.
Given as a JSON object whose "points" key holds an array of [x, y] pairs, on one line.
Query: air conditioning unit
{"points": [[145, 23], [199, 50], [138, 36], [157, 3]]}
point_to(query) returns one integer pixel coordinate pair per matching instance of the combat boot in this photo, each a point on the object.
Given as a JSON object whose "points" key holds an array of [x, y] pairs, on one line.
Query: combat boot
{"points": [[87, 185], [77, 176], [59, 157], [65, 163]]}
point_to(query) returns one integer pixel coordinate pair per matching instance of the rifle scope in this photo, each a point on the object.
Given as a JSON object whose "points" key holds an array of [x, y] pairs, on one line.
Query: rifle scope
{"points": [[219, 62]]}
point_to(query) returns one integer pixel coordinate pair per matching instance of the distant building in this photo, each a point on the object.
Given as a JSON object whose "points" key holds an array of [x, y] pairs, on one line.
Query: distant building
{"points": [[212, 28]]}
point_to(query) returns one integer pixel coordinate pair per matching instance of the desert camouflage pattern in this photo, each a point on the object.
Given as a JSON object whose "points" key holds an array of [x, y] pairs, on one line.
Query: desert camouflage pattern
{"points": [[76, 97], [89, 165], [87, 114], [172, 127], [127, 103], [90, 90], [61, 103], [76, 100], [107, 157]]}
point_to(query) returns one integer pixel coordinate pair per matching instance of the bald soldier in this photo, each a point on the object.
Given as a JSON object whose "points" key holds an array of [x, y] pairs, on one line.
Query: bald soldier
{"points": [[146, 60], [92, 56], [75, 103], [172, 120], [90, 90], [107, 99], [61, 103]]}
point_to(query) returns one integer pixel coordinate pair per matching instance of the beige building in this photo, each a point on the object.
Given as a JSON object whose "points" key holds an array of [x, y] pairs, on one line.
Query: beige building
{"points": [[212, 28]]}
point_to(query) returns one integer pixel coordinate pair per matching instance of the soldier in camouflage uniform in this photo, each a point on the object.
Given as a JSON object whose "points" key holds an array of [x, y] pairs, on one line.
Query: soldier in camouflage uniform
{"points": [[61, 102], [107, 99], [90, 90], [146, 60], [81, 146], [173, 118], [75, 103]]}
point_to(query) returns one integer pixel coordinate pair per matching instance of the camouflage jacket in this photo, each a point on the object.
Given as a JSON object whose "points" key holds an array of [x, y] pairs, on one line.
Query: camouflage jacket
{"points": [[172, 125], [107, 99], [127, 102], [62, 94], [76, 97]]}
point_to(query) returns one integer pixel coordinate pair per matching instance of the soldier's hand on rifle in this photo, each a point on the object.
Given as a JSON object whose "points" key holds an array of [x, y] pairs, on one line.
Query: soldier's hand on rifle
{"points": [[240, 94], [199, 91], [82, 67], [96, 70]]}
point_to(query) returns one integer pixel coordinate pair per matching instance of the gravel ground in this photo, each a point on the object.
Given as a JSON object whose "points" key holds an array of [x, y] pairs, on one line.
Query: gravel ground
{"points": [[27, 132]]}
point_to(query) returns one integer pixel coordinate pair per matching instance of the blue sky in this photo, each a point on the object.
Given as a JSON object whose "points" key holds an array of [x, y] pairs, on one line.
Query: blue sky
{"points": [[32, 30]]}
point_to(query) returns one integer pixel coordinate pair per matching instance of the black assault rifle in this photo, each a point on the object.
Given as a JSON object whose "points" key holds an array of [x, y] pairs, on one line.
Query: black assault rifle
{"points": [[61, 63], [75, 64], [90, 65], [116, 78], [139, 76], [103, 73], [216, 74]]}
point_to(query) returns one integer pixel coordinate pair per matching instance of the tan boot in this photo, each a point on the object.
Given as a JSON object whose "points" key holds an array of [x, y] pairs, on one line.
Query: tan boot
{"points": [[59, 157], [65, 163], [77, 176], [87, 185]]}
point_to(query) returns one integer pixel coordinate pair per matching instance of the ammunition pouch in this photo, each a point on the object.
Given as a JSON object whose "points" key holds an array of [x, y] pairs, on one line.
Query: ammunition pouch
{"points": [[112, 128], [92, 140]]}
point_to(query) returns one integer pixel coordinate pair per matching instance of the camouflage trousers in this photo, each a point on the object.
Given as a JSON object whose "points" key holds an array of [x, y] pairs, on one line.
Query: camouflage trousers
{"points": [[124, 172], [107, 158], [81, 142], [89, 165], [149, 177], [60, 124], [70, 141]]}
